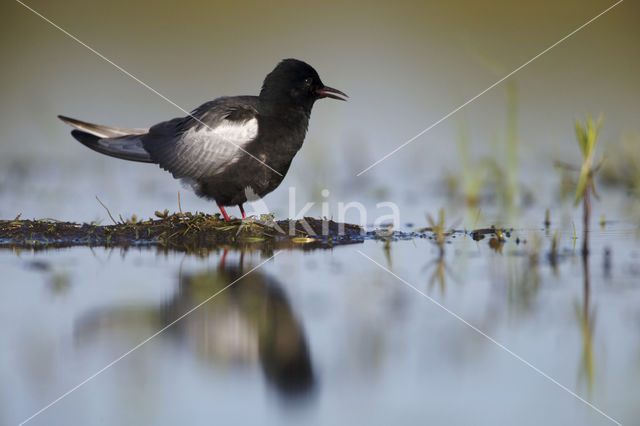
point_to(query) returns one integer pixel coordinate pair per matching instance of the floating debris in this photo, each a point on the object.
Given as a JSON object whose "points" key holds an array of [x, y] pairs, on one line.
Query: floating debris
{"points": [[500, 233]]}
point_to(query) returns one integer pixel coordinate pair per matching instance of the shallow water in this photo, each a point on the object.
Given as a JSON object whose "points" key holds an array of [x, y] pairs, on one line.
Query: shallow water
{"points": [[325, 336]]}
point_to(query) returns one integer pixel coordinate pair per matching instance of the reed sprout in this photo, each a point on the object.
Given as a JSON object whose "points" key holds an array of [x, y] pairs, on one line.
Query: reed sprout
{"points": [[587, 135]]}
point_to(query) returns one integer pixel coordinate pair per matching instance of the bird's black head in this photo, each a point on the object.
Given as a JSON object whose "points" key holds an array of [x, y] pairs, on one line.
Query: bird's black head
{"points": [[296, 83]]}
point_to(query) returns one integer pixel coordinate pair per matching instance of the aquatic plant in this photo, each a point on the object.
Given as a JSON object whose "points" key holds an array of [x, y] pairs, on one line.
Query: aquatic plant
{"points": [[553, 254], [439, 275], [440, 233], [587, 136], [472, 177], [547, 219], [438, 229], [495, 176]]}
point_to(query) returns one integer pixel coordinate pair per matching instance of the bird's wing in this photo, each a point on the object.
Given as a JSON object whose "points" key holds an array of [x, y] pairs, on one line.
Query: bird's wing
{"points": [[205, 143]]}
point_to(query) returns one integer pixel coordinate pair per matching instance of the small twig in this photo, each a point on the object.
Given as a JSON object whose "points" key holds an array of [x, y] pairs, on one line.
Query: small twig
{"points": [[108, 212], [180, 205]]}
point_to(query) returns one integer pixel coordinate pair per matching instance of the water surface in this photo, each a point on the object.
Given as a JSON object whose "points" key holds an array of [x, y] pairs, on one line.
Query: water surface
{"points": [[326, 336]]}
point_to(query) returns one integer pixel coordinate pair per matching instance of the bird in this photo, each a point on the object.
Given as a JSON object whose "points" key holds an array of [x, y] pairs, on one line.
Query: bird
{"points": [[227, 149]]}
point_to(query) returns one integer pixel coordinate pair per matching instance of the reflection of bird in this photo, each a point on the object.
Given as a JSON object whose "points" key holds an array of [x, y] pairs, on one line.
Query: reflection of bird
{"points": [[249, 323], [226, 145], [252, 321]]}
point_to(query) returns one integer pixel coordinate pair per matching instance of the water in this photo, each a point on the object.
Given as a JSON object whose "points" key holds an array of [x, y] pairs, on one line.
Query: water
{"points": [[323, 337]]}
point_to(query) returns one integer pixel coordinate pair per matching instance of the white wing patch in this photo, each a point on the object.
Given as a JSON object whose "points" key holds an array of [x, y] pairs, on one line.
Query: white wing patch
{"points": [[238, 133], [217, 147]]}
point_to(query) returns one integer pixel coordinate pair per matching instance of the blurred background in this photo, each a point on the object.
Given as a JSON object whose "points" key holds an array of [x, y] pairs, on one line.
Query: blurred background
{"points": [[405, 65], [326, 336]]}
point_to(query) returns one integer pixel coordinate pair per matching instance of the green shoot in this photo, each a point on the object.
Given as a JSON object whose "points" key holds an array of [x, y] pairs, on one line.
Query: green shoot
{"points": [[438, 229], [587, 137]]}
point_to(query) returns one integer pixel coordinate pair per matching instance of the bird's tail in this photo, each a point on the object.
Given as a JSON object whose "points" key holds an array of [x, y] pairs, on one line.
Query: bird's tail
{"points": [[113, 141]]}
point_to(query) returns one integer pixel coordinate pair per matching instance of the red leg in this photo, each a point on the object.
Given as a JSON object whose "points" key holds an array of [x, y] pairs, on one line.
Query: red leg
{"points": [[223, 258], [242, 211], [224, 213]]}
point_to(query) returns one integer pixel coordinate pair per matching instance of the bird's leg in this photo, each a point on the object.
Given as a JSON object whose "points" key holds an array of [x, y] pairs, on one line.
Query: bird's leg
{"points": [[223, 258], [224, 213], [242, 211]]}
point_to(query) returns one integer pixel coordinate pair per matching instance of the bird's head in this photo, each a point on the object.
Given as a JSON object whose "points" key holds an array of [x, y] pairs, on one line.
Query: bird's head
{"points": [[296, 82]]}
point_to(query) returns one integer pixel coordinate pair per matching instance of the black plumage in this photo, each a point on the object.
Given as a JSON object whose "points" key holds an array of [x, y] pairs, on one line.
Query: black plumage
{"points": [[227, 148]]}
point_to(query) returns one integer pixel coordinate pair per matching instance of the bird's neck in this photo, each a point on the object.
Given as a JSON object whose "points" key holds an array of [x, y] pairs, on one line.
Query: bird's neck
{"points": [[288, 124], [294, 119], [275, 104]]}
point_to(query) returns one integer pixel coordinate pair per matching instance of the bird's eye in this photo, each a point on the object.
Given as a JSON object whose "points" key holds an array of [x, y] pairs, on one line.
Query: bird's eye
{"points": [[308, 81]]}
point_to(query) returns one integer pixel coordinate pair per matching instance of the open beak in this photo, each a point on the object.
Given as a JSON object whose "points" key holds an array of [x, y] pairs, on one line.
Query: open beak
{"points": [[328, 92]]}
